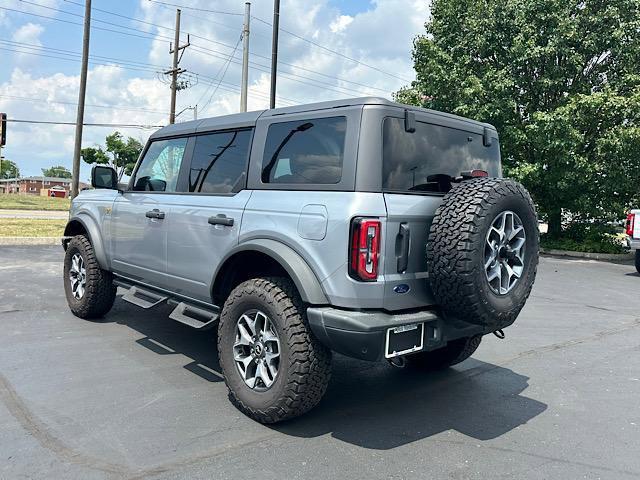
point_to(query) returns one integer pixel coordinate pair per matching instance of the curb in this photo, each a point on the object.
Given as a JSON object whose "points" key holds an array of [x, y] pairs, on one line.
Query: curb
{"points": [[15, 241], [601, 257]]}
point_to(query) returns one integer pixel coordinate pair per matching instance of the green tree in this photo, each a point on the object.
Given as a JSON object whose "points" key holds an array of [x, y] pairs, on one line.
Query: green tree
{"points": [[8, 169], [58, 171], [119, 153], [561, 82]]}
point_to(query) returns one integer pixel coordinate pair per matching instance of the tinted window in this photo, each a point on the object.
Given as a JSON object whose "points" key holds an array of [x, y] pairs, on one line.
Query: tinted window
{"points": [[160, 166], [306, 151], [219, 162], [427, 159]]}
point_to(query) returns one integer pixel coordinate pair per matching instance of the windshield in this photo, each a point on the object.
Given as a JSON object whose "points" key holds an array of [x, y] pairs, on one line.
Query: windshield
{"points": [[427, 159]]}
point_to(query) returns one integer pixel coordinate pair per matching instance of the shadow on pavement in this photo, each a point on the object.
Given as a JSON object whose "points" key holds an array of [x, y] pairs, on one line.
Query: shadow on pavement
{"points": [[372, 405]]}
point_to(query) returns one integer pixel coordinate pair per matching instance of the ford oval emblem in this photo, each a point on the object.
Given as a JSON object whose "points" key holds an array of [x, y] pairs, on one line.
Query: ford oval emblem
{"points": [[402, 288]]}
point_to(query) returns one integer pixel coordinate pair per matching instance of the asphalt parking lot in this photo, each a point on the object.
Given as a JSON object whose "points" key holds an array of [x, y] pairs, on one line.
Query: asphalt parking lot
{"points": [[137, 395]]}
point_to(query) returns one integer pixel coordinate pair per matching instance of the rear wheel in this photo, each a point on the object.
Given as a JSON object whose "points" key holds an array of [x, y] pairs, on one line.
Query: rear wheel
{"points": [[89, 289], [274, 367], [454, 352]]}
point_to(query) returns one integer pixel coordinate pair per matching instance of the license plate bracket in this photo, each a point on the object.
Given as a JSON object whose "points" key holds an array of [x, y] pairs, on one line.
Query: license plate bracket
{"points": [[404, 339]]}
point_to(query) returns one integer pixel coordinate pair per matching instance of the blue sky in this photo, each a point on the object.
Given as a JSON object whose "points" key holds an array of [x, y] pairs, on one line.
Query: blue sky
{"points": [[44, 88]]}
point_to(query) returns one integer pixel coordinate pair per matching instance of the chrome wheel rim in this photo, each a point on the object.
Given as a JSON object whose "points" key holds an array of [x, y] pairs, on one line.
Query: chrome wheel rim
{"points": [[256, 350], [77, 276], [504, 252]]}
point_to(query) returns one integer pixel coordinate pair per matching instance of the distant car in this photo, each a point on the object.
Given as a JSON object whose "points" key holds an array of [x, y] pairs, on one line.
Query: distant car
{"points": [[633, 234]]}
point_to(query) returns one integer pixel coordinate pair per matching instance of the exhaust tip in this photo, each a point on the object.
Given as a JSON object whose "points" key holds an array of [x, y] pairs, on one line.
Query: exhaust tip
{"points": [[398, 362]]}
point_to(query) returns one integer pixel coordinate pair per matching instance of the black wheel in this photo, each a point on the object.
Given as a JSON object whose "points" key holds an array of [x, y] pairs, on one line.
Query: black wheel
{"points": [[454, 352], [89, 290], [482, 251], [274, 367], [638, 260]]}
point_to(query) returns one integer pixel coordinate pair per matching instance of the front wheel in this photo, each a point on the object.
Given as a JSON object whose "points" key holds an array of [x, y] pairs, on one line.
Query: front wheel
{"points": [[454, 352], [89, 289], [274, 367]]}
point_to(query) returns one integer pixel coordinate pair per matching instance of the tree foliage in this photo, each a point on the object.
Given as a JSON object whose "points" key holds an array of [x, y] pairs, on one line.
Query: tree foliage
{"points": [[58, 171], [8, 169], [120, 153], [561, 82]]}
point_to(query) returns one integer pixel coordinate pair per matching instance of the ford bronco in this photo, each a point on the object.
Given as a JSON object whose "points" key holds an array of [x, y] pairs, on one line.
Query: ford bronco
{"points": [[363, 226]]}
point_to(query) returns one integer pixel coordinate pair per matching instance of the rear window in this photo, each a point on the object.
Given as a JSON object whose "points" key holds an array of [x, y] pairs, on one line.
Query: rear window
{"points": [[305, 151], [425, 161]]}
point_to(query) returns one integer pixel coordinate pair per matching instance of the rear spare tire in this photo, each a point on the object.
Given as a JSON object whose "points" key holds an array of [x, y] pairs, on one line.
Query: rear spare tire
{"points": [[482, 251]]}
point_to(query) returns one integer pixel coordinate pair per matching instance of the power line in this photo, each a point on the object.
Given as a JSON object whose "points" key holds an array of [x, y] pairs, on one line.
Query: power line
{"points": [[345, 90], [110, 125], [219, 12], [112, 107], [204, 108], [71, 52], [334, 52]]}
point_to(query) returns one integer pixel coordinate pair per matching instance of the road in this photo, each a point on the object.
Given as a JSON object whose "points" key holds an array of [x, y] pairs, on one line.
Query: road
{"points": [[136, 395], [41, 214]]}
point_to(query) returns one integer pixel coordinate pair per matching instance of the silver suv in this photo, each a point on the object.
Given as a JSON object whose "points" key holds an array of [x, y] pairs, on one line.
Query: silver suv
{"points": [[362, 226]]}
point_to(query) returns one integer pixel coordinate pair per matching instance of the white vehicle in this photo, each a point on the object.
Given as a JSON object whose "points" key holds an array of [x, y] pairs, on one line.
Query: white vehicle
{"points": [[633, 234]]}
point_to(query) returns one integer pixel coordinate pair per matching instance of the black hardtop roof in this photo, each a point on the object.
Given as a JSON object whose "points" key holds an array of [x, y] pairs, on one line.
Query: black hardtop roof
{"points": [[248, 119]]}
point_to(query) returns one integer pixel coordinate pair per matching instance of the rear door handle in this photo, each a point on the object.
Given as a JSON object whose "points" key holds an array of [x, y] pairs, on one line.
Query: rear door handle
{"points": [[155, 213], [221, 219]]}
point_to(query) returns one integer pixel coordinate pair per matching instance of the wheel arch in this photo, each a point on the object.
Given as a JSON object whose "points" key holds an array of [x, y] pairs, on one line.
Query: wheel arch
{"points": [[83, 224], [275, 259]]}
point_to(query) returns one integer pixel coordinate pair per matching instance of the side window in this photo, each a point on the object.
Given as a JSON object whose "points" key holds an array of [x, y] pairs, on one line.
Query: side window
{"points": [[160, 166], [305, 151], [219, 162]]}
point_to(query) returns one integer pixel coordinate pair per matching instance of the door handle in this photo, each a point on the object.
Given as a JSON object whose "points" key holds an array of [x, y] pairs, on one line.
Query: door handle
{"points": [[402, 253], [155, 213], [221, 219]]}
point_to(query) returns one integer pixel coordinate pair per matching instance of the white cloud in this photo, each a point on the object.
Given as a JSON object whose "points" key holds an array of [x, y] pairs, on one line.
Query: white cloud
{"points": [[28, 34], [340, 23]]}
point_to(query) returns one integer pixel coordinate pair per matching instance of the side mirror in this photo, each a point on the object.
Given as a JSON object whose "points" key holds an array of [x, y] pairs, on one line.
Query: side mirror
{"points": [[104, 177]]}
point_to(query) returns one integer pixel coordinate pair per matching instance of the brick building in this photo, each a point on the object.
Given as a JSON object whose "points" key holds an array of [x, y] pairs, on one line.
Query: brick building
{"points": [[33, 185]]}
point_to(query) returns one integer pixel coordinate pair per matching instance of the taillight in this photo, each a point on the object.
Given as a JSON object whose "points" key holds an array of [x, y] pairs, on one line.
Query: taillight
{"points": [[631, 217], [365, 249]]}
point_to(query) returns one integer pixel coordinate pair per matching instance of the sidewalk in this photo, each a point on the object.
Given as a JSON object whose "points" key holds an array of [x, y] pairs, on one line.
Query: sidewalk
{"points": [[41, 214]]}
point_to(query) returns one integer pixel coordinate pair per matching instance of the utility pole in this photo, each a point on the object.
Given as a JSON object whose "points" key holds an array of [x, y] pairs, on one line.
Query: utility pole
{"points": [[245, 57], [175, 71], [274, 52], [75, 175]]}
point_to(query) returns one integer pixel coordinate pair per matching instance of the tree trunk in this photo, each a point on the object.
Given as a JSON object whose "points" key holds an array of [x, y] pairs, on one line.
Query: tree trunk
{"points": [[555, 223]]}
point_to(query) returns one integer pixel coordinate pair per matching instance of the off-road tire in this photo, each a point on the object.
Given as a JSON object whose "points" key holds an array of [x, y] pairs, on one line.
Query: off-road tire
{"points": [[100, 292], [455, 251], [638, 260], [305, 364], [454, 352]]}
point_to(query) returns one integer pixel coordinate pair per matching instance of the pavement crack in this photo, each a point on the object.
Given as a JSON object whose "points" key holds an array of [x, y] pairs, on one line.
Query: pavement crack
{"points": [[41, 432]]}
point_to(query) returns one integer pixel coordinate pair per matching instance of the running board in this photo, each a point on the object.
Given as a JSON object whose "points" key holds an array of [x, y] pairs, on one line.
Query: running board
{"points": [[194, 317], [143, 298]]}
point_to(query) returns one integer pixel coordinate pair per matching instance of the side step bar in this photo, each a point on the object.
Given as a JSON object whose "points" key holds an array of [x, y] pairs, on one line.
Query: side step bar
{"points": [[143, 298], [193, 316], [198, 317]]}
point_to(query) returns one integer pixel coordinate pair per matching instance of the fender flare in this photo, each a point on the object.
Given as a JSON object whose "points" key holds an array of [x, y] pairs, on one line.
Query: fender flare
{"points": [[93, 232], [298, 269]]}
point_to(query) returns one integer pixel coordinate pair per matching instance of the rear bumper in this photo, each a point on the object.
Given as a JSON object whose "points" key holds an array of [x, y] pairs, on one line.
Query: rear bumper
{"points": [[362, 334]]}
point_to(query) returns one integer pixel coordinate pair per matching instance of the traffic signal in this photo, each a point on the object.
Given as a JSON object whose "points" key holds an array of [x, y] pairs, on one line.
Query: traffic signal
{"points": [[3, 129]]}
